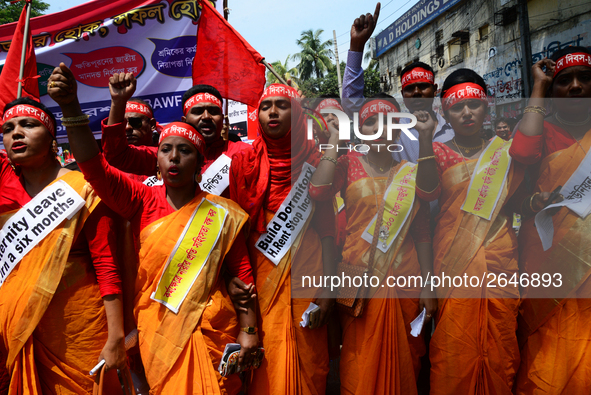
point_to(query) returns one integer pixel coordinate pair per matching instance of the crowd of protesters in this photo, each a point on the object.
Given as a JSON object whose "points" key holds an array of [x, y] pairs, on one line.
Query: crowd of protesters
{"points": [[134, 261]]}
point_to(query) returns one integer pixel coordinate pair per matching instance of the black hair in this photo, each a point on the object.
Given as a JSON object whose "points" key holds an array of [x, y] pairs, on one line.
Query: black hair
{"points": [[33, 103], [566, 50], [414, 65], [142, 101], [462, 76], [195, 89], [502, 119]]}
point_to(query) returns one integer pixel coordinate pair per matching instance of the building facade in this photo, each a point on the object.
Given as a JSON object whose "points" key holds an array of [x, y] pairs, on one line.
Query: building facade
{"points": [[481, 35]]}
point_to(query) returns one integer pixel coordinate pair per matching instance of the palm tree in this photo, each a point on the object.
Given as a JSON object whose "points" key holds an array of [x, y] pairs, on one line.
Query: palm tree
{"points": [[315, 56], [283, 70]]}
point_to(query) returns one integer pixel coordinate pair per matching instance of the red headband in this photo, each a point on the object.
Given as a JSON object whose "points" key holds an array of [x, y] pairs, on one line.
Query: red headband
{"points": [[186, 131], [25, 110], [202, 97], [417, 75], [329, 103], [374, 107], [462, 92], [279, 90], [572, 59], [139, 108]]}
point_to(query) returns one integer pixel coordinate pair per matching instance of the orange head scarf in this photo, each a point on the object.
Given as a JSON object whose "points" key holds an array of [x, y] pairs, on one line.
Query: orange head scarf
{"points": [[261, 177]]}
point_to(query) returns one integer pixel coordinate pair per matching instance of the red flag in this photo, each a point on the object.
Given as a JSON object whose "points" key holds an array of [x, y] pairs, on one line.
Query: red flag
{"points": [[225, 60], [11, 69]]}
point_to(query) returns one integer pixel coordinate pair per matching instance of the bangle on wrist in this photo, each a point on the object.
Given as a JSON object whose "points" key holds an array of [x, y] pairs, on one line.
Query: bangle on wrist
{"points": [[535, 109], [251, 330], [531, 200], [426, 158], [329, 159], [80, 120]]}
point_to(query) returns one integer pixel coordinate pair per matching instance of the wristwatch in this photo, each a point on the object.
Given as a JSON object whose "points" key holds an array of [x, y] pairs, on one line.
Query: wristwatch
{"points": [[251, 330]]}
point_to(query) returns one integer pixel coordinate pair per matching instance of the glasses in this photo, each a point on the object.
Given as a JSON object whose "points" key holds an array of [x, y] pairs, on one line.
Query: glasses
{"points": [[135, 122]]}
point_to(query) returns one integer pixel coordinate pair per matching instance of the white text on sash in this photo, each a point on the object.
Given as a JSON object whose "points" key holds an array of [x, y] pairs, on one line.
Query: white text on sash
{"points": [[190, 254], [216, 178], [27, 227], [289, 219]]}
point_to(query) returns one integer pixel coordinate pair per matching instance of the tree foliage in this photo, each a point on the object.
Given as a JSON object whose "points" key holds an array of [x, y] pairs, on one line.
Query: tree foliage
{"points": [[283, 70], [315, 57], [11, 12]]}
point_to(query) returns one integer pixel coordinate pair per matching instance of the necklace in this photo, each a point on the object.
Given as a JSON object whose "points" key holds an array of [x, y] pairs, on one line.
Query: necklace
{"points": [[379, 167], [569, 123], [468, 148], [463, 158]]}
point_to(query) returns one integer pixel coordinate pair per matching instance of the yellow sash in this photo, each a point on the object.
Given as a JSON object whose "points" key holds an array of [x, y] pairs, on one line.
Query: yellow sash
{"points": [[400, 198], [488, 179], [190, 254]]}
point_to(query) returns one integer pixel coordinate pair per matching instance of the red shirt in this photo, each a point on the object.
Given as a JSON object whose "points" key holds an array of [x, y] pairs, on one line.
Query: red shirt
{"points": [[142, 205], [532, 149], [96, 238], [142, 160]]}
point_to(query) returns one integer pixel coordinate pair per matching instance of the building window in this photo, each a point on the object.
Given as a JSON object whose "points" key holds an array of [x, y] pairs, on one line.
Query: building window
{"points": [[456, 51], [438, 35], [483, 32]]}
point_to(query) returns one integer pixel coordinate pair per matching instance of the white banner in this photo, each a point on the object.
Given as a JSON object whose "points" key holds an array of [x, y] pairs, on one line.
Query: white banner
{"points": [[289, 219], [25, 229], [216, 178]]}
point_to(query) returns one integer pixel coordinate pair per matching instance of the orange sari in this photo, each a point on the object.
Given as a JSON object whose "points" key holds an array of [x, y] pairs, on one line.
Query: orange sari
{"points": [[474, 347], [52, 318], [379, 356], [181, 351], [555, 333], [296, 359]]}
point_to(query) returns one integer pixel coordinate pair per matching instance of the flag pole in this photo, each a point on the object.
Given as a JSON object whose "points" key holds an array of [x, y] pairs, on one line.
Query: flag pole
{"points": [[227, 117], [24, 50], [274, 72]]}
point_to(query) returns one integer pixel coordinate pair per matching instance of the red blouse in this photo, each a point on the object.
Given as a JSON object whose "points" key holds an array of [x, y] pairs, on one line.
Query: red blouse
{"points": [[141, 160], [532, 149], [142, 205], [348, 170], [97, 237]]}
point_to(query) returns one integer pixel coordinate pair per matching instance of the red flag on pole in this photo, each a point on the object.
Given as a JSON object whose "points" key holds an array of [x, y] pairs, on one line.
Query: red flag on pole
{"points": [[10, 71], [225, 60]]}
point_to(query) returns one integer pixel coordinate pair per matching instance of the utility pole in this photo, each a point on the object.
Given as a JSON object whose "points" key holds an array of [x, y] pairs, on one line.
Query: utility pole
{"points": [[526, 63], [336, 52]]}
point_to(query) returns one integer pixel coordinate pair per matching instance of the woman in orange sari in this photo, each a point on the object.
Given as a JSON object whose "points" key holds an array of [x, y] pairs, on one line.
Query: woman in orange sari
{"points": [[61, 305], [184, 236], [379, 355], [296, 359], [555, 324], [474, 347]]}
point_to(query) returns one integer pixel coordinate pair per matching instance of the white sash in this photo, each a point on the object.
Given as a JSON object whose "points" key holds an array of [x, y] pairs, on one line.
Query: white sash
{"points": [[35, 220], [577, 197], [153, 181], [289, 219], [216, 178]]}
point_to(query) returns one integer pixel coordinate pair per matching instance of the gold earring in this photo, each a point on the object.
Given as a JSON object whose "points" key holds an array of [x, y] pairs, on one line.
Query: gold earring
{"points": [[54, 147], [198, 178], [158, 175]]}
